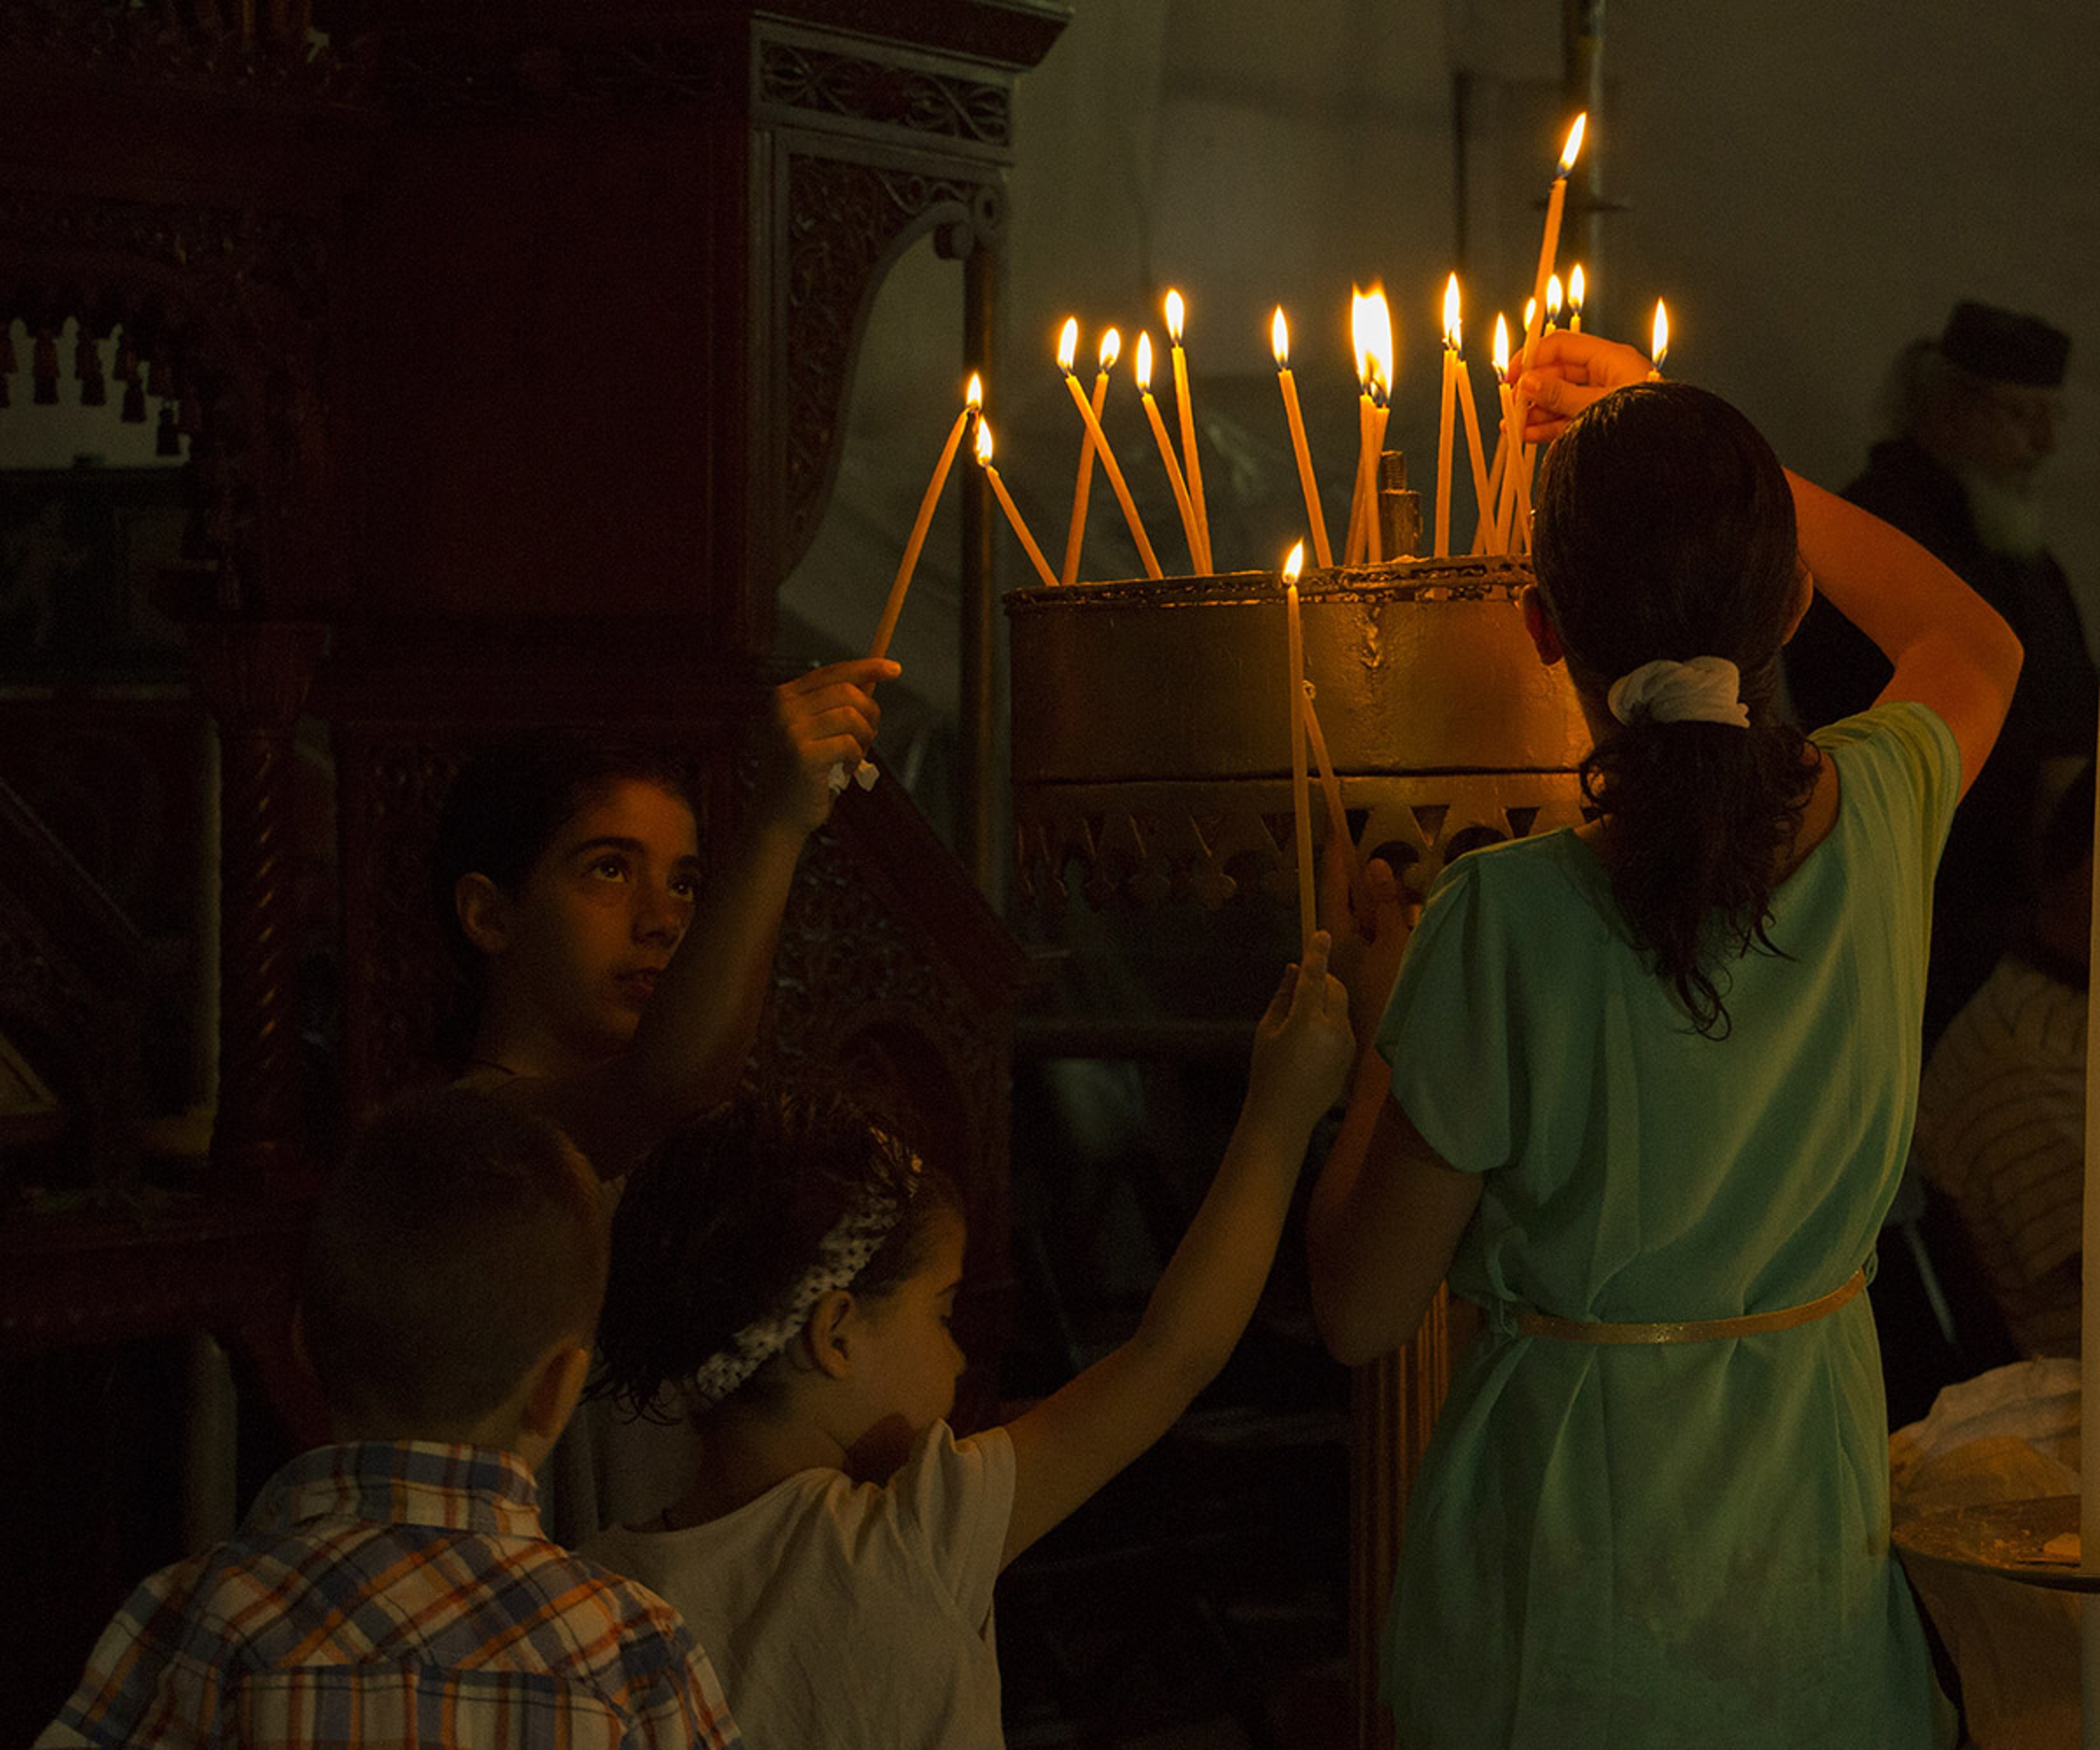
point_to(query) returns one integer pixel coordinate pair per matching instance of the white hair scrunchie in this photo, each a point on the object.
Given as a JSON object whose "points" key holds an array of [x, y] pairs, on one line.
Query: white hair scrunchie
{"points": [[1707, 689]]}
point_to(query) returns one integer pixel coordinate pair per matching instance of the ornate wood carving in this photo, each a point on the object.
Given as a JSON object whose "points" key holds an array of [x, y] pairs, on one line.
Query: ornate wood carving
{"points": [[796, 75]]}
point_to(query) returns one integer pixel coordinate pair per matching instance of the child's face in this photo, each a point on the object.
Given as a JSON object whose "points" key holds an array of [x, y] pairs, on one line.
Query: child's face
{"points": [[598, 917], [910, 1360]]}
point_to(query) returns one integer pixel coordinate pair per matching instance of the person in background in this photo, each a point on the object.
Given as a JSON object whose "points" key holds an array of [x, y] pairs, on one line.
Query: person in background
{"points": [[1973, 418], [2001, 1116], [394, 1588]]}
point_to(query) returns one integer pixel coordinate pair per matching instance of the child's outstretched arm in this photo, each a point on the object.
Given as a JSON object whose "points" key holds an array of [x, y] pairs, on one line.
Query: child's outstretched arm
{"points": [[689, 1046], [1950, 649], [1066, 1447]]}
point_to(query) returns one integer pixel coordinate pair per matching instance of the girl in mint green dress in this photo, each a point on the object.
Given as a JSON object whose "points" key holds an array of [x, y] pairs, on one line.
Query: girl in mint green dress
{"points": [[1643, 1090]]}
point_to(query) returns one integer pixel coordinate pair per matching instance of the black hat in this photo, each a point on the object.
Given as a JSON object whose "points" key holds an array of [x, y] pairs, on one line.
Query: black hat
{"points": [[2004, 345]]}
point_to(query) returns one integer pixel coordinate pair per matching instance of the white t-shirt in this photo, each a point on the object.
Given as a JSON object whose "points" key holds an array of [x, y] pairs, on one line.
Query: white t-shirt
{"points": [[845, 1614]]}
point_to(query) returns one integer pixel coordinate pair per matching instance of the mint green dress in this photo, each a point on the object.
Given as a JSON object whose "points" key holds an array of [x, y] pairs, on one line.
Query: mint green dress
{"points": [[1682, 1545]]}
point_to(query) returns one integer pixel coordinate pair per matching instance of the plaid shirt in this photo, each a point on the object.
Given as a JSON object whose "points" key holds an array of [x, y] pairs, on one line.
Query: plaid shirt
{"points": [[391, 1595]]}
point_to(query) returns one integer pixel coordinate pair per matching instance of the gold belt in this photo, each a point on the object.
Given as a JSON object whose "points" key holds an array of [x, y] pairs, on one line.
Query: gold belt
{"points": [[1690, 1330]]}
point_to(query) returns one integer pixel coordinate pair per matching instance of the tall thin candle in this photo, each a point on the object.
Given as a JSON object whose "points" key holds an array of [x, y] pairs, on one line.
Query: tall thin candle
{"points": [[1301, 802], [972, 399], [1192, 464], [1315, 520], [1006, 504], [1549, 243], [1108, 464], [1082, 488], [1166, 449], [1482, 492], [1446, 393]]}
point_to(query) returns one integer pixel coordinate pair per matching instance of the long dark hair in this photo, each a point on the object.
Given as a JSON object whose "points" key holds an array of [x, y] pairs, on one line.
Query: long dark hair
{"points": [[1666, 529], [718, 1224]]}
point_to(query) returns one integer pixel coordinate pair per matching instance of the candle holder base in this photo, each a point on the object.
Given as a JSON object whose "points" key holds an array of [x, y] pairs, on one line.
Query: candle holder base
{"points": [[2003, 1538]]}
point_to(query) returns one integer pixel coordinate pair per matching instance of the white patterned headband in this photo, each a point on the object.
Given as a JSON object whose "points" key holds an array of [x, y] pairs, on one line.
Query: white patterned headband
{"points": [[842, 1255], [1707, 689]]}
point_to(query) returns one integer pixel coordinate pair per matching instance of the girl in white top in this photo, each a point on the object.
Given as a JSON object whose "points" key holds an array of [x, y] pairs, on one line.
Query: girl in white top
{"points": [[792, 1270]]}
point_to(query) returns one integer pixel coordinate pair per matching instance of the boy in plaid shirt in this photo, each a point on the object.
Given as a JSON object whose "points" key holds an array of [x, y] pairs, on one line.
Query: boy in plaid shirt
{"points": [[395, 1589]]}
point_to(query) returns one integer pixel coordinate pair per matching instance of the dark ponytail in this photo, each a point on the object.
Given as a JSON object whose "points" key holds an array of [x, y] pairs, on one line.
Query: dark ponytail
{"points": [[1666, 529]]}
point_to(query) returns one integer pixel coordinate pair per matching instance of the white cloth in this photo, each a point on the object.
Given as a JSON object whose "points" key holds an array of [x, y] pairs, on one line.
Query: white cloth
{"points": [[2001, 1130], [842, 1615]]}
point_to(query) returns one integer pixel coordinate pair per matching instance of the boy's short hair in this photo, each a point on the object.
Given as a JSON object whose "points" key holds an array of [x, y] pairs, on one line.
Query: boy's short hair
{"points": [[461, 1239]]}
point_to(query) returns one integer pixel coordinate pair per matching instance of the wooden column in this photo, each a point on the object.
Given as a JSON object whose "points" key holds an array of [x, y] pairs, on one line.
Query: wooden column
{"points": [[254, 676]]}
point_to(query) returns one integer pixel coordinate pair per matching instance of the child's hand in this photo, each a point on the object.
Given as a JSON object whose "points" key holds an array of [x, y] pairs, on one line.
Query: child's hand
{"points": [[1304, 1046], [823, 719], [1369, 946], [1566, 371]]}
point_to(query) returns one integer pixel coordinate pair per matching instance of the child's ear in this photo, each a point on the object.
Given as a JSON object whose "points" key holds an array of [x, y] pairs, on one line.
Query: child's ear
{"points": [[484, 910], [825, 1343], [1544, 639], [556, 1386]]}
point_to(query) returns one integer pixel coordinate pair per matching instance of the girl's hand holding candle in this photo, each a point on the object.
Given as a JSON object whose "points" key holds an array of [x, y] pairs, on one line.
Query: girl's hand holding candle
{"points": [[1082, 489], [972, 399], [1006, 504], [1065, 350], [1279, 342], [1174, 479]]}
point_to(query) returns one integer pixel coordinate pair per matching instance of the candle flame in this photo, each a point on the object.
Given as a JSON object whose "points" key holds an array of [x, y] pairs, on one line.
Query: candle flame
{"points": [[973, 396], [1661, 345], [1575, 289], [1173, 313], [1502, 346], [1451, 313], [1111, 348], [1145, 364], [1530, 313], [1295, 564], [1370, 320], [1279, 339], [1573, 146], [1068, 344], [983, 442], [1553, 297]]}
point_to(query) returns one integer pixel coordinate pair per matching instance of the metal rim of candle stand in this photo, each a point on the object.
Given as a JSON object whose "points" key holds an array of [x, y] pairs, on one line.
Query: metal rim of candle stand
{"points": [[1999, 1538]]}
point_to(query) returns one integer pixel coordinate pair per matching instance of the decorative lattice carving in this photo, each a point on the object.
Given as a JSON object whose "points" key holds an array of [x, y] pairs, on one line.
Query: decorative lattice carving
{"points": [[829, 83]]}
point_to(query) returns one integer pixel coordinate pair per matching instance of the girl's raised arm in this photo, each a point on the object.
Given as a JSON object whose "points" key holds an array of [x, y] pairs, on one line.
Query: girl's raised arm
{"points": [[1950, 649], [1066, 1447]]}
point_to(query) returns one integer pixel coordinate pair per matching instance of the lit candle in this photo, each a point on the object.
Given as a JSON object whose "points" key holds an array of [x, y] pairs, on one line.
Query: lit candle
{"points": [[1279, 342], [1192, 464], [1483, 489], [972, 399], [1506, 447], [1166, 449], [1555, 200], [1082, 488], [1065, 351], [1006, 504], [1370, 321], [1575, 299], [1445, 396], [1658, 350], [1301, 802], [1553, 300]]}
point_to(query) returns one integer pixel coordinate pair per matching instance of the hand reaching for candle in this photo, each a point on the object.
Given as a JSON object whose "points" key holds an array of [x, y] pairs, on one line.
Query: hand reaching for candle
{"points": [[1566, 371], [1370, 935], [823, 719]]}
